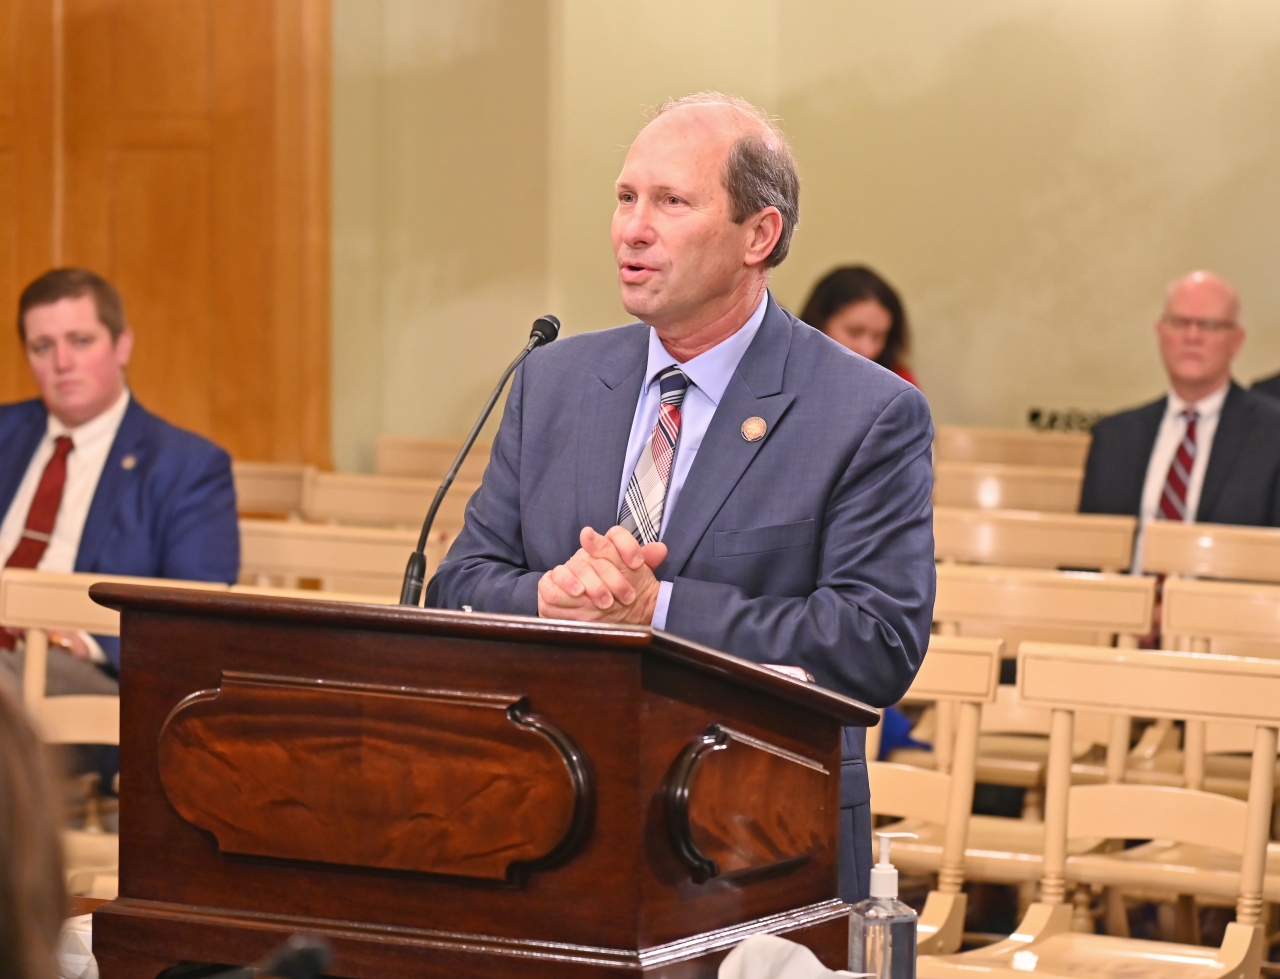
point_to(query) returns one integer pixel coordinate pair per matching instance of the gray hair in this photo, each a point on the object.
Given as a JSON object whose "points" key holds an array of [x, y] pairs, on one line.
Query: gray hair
{"points": [[760, 171]]}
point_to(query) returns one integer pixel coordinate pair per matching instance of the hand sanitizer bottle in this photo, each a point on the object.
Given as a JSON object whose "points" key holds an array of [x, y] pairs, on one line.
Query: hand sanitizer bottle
{"points": [[882, 930]]}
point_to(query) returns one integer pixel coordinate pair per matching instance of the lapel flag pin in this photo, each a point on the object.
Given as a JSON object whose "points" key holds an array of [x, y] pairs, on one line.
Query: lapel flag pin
{"points": [[128, 462], [753, 428]]}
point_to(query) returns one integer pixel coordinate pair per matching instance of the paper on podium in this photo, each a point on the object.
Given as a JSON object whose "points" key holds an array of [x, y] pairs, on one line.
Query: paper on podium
{"points": [[770, 957]]}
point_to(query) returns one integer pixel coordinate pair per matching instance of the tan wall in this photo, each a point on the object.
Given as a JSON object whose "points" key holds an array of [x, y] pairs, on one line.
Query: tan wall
{"points": [[1029, 174], [440, 209]]}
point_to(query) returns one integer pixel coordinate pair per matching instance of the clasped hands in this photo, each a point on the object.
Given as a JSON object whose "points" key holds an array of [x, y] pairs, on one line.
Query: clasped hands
{"points": [[609, 579]]}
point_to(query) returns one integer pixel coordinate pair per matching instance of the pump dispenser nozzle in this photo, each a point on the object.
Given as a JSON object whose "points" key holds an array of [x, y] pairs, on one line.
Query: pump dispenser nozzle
{"points": [[884, 875]]}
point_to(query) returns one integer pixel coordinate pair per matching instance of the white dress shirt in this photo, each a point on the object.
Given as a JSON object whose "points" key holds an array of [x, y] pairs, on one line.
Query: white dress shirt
{"points": [[709, 374], [1172, 429], [92, 441]]}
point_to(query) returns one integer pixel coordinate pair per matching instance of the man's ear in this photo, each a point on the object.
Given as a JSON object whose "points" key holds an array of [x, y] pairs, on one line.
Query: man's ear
{"points": [[124, 347], [765, 229]]}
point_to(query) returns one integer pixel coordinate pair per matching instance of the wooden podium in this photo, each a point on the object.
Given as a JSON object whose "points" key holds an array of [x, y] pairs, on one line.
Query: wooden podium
{"points": [[448, 794]]}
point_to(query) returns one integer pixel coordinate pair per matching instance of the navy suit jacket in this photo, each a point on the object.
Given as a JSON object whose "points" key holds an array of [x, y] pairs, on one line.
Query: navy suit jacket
{"points": [[811, 547], [1241, 481], [165, 506], [1268, 385]]}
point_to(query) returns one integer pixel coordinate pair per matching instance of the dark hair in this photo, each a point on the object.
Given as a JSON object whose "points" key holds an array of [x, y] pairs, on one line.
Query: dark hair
{"points": [[33, 898], [58, 284], [852, 284], [759, 172]]}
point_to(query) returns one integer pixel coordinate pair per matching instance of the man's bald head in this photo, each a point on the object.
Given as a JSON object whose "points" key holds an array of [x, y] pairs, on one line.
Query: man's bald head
{"points": [[759, 170], [1206, 291], [1199, 333]]}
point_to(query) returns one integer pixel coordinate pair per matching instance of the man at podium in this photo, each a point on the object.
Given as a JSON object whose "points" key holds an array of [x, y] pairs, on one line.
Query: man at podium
{"points": [[718, 469]]}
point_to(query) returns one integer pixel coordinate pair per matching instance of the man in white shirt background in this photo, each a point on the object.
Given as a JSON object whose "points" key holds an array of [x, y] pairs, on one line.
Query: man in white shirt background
{"points": [[92, 482], [1208, 451]]}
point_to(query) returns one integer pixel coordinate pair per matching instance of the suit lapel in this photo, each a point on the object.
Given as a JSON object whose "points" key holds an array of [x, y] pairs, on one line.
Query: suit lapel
{"points": [[755, 390], [25, 442], [1228, 441], [608, 407], [117, 474]]}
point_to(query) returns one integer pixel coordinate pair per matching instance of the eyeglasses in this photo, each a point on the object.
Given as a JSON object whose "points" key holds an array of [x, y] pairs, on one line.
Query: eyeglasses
{"points": [[1184, 323]]}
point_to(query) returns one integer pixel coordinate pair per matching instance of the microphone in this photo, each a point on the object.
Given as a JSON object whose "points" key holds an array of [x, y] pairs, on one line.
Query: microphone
{"points": [[301, 957], [545, 329]]}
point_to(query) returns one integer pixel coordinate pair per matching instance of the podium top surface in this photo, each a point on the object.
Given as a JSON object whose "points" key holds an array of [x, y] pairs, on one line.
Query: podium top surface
{"points": [[518, 629]]}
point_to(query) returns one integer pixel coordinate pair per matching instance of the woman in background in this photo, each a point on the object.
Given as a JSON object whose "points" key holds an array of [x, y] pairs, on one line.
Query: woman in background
{"points": [[858, 309], [33, 900]]}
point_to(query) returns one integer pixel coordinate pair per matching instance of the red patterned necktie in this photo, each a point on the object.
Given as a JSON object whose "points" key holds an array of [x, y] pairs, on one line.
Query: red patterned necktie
{"points": [[1173, 501], [40, 518], [646, 495]]}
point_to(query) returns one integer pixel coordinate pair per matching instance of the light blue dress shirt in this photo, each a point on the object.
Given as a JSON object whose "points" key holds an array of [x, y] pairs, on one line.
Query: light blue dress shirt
{"points": [[709, 374]]}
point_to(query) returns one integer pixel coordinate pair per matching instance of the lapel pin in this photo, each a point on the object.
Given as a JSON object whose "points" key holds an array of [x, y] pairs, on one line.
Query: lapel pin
{"points": [[753, 428], [129, 461]]}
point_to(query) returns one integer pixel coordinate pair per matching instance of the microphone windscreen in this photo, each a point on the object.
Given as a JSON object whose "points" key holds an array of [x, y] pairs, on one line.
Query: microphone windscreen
{"points": [[545, 328], [301, 957]]}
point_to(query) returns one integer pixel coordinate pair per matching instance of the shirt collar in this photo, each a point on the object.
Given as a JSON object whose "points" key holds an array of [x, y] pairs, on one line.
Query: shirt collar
{"points": [[712, 370], [104, 424], [1209, 406]]}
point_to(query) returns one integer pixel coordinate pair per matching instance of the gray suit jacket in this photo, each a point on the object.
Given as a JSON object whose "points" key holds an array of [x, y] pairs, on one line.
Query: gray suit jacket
{"points": [[811, 547]]}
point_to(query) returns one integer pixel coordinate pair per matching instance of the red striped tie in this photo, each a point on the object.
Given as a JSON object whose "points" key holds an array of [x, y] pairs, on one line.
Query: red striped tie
{"points": [[41, 517], [1173, 501]]}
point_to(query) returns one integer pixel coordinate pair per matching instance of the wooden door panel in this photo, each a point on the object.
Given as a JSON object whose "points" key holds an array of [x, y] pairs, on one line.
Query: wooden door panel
{"points": [[160, 243], [161, 57], [187, 185], [8, 64]]}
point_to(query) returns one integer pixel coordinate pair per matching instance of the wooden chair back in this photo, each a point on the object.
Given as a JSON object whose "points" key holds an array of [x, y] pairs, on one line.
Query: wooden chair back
{"points": [[1196, 615], [997, 486], [1211, 551], [1027, 539], [964, 673], [381, 501], [977, 600], [1011, 446], [39, 601], [269, 488], [1162, 684], [405, 455], [1226, 618], [360, 560]]}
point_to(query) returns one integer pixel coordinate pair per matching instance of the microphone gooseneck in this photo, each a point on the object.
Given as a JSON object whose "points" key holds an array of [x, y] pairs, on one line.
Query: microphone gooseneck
{"points": [[545, 329]]}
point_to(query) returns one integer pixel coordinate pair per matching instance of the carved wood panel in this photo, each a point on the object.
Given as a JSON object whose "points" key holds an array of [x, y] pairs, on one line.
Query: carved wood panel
{"points": [[737, 804], [441, 782]]}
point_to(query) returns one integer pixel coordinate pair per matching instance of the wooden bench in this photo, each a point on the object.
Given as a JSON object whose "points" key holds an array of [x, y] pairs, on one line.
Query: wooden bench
{"points": [[1027, 539], [1211, 551], [269, 488], [997, 486], [381, 501], [959, 443], [358, 560], [404, 455]]}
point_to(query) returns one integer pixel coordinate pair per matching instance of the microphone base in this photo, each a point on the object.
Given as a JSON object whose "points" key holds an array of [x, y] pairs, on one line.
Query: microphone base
{"points": [[415, 575]]}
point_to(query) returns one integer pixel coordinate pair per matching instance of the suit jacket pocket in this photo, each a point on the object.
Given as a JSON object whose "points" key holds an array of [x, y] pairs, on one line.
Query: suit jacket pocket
{"points": [[753, 540]]}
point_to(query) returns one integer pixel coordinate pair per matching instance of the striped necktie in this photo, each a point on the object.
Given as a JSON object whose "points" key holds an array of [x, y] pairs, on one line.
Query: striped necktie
{"points": [[1173, 501], [641, 511]]}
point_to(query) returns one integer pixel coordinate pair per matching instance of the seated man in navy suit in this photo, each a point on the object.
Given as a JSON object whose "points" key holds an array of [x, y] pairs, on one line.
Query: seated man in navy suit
{"points": [[719, 469], [91, 481], [1209, 450]]}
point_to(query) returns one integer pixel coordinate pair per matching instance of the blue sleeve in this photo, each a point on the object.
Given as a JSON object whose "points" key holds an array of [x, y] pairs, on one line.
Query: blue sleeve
{"points": [[198, 531], [864, 630], [486, 567]]}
